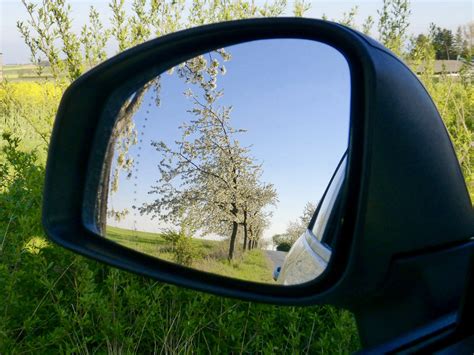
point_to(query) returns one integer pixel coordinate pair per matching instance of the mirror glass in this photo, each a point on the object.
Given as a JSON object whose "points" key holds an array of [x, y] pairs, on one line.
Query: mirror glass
{"points": [[233, 161]]}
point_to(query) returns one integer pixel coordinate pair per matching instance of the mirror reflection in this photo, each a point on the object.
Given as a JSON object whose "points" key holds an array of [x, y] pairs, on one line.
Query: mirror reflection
{"points": [[233, 162]]}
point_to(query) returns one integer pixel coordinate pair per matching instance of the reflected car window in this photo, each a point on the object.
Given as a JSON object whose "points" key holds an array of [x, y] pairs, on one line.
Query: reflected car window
{"points": [[329, 200]]}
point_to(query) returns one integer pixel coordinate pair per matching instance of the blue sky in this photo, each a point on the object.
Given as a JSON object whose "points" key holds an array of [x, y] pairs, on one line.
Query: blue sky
{"points": [[292, 97], [449, 14]]}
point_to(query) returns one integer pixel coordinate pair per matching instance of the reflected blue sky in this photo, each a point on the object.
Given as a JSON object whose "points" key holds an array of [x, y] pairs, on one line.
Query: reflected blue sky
{"points": [[292, 97]]}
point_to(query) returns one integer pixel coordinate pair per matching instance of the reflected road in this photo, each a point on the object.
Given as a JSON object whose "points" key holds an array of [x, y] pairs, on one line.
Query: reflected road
{"points": [[276, 257]]}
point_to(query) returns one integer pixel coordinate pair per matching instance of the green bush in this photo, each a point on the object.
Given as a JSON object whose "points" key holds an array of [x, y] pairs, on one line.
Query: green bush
{"points": [[181, 246], [283, 246]]}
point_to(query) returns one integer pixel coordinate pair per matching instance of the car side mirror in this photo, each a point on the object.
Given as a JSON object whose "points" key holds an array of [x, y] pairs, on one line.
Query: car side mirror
{"points": [[202, 169], [276, 273], [401, 191]]}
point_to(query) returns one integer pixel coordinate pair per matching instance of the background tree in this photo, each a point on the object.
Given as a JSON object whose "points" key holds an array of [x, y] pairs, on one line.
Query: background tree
{"points": [[464, 41], [443, 43], [393, 24], [418, 47], [367, 25], [450, 46]]}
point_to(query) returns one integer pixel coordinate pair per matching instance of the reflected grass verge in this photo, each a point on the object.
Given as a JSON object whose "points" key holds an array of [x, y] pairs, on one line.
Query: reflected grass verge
{"points": [[250, 266], [206, 255]]}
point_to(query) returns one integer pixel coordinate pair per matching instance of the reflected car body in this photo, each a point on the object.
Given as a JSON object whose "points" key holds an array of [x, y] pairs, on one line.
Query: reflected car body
{"points": [[310, 254], [306, 260]]}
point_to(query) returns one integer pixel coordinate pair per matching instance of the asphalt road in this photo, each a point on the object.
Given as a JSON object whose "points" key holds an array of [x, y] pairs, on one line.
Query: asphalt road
{"points": [[277, 257]]}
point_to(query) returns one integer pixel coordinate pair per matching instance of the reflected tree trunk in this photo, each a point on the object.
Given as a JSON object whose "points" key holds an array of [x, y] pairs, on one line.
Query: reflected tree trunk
{"points": [[103, 192], [250, 237], [124, 119], [244, 224], [233, 236]]}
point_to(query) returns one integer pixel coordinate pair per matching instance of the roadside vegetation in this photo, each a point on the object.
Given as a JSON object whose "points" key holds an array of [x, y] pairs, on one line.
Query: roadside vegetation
{"points": [[56, 301]]}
